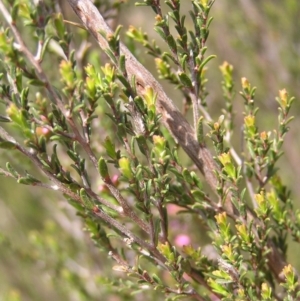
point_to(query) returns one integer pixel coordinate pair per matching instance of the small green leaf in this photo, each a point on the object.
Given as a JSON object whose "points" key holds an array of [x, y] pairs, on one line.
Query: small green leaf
{"points": [[156, 279], [88, 203], [125, 168], [121, 131], [14, 12], [28, 180], [36, 82], [103, 168], [160, 32], [183, 60], [45, 45], [12, 170], [185, 80], [210, 57], [200, 135], [110, 148], [157, 229], [142, 144], [172, 43], [72, 155], [187, 176], [59, 25], [25, 181], [122, 65], [7, 145]]}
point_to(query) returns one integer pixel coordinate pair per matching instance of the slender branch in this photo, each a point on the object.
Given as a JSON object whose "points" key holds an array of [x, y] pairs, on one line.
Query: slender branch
{"points": [[141, 242], [60, 186], [6, 173], [106, 203], [128, 211], [39, 184]]}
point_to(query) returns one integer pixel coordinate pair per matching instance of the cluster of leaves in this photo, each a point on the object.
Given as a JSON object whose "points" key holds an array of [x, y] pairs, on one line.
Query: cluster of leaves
{"points": [[136, 161], [184, 64]]}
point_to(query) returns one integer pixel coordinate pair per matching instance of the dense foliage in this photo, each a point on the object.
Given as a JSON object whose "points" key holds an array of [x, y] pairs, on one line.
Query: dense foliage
{"points": [[165, 194]]}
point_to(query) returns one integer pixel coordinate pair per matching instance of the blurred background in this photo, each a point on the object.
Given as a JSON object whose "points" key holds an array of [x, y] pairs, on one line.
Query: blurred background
{"points": [[44, 252]]}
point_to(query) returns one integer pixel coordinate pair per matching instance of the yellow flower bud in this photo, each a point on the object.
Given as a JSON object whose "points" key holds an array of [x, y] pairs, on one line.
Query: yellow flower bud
{"points": [[245, 83]]}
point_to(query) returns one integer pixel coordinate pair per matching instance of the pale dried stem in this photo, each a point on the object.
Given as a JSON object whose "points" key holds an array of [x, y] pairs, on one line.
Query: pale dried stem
{"points": [[135, 239], [60, 186]]}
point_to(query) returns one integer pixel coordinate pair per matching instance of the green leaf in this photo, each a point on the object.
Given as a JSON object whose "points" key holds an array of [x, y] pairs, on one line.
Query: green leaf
{"points": [[157, 229], [172, 43], [14, 173], [142, 144], [36, 82], [25, 181], [28, 180], [110, 148], [200, 135], [72, 155], [103, 168], [210, 57], [59, 25], [88, 203], [7, 145], [122, 62], [185, 80], [160, 32], [125, 168], [45, 45], [187, 176], [14, 12]]}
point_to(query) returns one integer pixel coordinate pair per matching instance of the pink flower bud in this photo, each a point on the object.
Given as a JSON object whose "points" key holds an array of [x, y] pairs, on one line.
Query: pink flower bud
{"points": [[182, 240]]}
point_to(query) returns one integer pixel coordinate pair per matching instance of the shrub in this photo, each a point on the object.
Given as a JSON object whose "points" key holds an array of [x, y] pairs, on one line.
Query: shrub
{"points": [[81, 119]]}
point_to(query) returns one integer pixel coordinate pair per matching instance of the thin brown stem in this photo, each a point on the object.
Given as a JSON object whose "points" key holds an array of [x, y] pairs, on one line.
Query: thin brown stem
{"points": [[135, 239]]}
